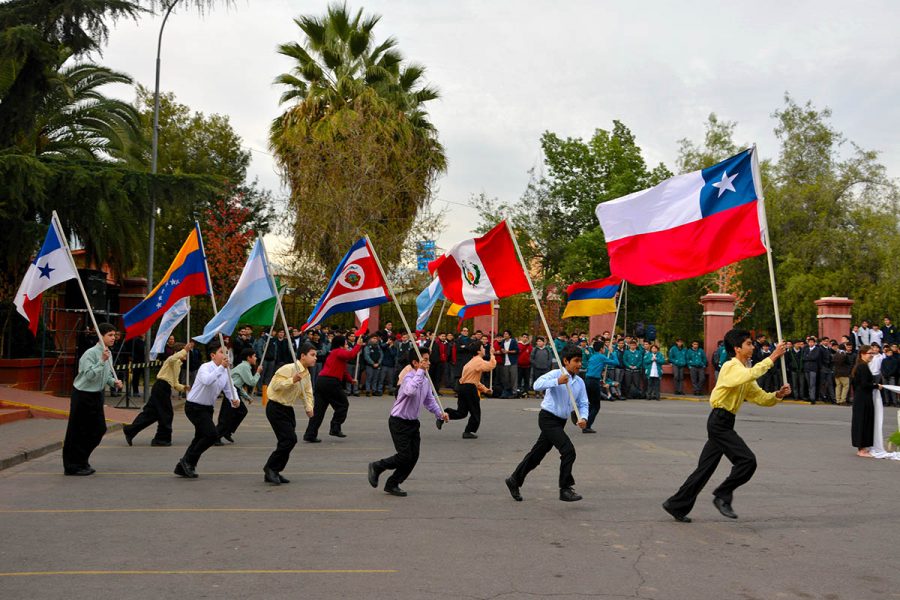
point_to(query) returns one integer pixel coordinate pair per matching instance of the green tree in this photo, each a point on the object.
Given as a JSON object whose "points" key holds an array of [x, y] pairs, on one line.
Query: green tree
{"points": [[555, 219], [355, 145], [192, 142]]}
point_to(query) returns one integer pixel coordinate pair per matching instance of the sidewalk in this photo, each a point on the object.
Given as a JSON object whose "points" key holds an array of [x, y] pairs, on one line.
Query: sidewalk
{"points": [[43, 433]]}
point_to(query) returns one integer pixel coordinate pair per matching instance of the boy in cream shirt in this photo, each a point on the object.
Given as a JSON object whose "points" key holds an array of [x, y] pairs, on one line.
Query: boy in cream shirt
{"points": [[289, 384]]}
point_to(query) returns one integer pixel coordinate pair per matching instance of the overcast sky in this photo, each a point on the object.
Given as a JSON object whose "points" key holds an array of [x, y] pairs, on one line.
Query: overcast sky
{"points": [[508, 71]]}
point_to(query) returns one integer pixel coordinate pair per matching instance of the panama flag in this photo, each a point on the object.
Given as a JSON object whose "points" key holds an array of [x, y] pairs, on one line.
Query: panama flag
{"points": [[481, 269], [53, 265], [686, 226], [254, 286], [356, 284]]}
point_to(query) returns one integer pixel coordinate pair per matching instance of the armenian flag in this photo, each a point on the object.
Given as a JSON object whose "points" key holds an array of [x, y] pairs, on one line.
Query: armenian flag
{"points": [[186, 277], [597, 297]]}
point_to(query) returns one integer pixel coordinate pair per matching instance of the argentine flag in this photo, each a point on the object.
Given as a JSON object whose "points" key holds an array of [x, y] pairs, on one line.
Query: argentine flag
{"points": [[254, 286], [426, 300]]}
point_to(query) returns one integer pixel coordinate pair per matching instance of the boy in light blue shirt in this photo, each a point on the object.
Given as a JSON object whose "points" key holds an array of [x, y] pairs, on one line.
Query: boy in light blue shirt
{"points": [[552, 419]]}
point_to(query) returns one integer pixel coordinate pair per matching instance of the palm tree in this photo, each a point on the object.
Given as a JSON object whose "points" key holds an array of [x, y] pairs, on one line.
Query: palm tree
{"points": [[76, 120], [355, 143]]}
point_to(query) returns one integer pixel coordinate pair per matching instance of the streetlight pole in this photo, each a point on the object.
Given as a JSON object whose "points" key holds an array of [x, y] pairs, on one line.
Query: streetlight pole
{"points": [[153, 156]]}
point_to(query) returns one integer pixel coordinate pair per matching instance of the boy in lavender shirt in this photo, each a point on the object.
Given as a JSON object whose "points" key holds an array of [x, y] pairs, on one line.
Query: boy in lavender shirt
{"points": [[415, 391]]}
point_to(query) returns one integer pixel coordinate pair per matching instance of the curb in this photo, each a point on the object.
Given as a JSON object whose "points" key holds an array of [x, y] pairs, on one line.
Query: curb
{"points": [[26, 455]]}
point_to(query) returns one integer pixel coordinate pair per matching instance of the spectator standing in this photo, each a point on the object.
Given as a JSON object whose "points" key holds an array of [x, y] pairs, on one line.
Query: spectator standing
{"points": [[843, 364], [678, 358], [525, 348], [508, 359], [541, 358], [696, 362], [372, 359], [794, 358], [812, 360], [653, 362]]}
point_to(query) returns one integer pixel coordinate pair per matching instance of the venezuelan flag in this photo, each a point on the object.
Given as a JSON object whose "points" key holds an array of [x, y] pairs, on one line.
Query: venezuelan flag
{"points": [[186, 277], [590, 298]]}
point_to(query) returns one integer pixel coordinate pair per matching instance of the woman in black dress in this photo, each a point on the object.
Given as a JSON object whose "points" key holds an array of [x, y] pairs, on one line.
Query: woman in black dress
{"points": [[863, 424]]}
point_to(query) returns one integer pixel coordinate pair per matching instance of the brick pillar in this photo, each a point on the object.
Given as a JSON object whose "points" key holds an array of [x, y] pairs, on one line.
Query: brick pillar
{"points": [[600, 323], [834, 316], [375, 321], [718, 319]]}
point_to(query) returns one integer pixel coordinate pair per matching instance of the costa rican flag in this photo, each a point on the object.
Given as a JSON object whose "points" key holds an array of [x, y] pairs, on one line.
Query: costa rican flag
{"points": [[356, 284], [686, 226]]}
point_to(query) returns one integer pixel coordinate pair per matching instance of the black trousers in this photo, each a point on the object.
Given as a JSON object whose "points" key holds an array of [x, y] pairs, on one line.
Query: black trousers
{"points": [[158, 409], [553, 434], [468, 404], [205, 434], [722, 440], [594, 393], [86, 428], [678, 377], [407, 440], [284, 424], [329, 391], [230, 418]]}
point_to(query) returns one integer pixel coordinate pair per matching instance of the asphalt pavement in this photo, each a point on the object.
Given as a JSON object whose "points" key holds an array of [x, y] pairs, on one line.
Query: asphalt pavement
{"points": [[815, 522]]}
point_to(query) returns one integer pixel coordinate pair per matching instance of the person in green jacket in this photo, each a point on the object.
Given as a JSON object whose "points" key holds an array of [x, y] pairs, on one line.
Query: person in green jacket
{"points": [[696, 362], [653, 363], [633, 361], [719, 358], [87, 420], [678, 358]]}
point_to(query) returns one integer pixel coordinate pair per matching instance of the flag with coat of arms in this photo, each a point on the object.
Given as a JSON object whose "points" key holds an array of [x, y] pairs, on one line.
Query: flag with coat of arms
{"points": [[481, 269], [357, 283]]}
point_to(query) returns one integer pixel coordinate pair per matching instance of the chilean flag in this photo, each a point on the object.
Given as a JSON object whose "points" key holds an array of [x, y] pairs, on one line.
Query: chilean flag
{"points": [[481, 269], [356, 284], [686, 226], [53, 265]]}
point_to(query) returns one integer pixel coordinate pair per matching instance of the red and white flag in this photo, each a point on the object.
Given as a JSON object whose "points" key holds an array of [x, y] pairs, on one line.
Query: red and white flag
{"points": [[481, 269], [53, 265]]}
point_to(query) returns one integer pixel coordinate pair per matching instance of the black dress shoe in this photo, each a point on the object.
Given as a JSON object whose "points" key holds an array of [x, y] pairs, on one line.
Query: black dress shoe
{"points": [[569, 495], [160, 443], [724, 508], [513, 489], [395, 491], [182, 469], [128, 438], [311, 440], [675, 515], [338, 433], [283, 479], [373, 473], [588, 430], [439, 423], [271, 477], [467, 435], [81, 472], [228, 437]]}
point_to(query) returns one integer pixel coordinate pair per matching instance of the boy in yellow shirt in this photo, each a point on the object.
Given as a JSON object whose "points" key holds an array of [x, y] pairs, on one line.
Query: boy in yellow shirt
{"points": [[736, 383]]}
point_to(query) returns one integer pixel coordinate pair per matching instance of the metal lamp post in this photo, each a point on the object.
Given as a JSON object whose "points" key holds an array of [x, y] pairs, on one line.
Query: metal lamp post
{"points": [[153, 156]]}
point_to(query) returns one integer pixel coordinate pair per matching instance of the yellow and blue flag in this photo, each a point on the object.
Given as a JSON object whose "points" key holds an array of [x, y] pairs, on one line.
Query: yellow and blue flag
{"points": [[597, 297]]}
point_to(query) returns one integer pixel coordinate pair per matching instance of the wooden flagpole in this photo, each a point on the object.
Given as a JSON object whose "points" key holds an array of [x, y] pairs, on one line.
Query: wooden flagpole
{"points": [[757, 183], [540, 310], [491, 343], [87, 303], [402, 317], [187, 363], [437, 325], [612, 334], [212, 296]]}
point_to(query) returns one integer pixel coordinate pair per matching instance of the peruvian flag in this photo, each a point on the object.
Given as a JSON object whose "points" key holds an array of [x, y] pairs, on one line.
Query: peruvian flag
{"points": [[53, 265], [481, 269]]}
